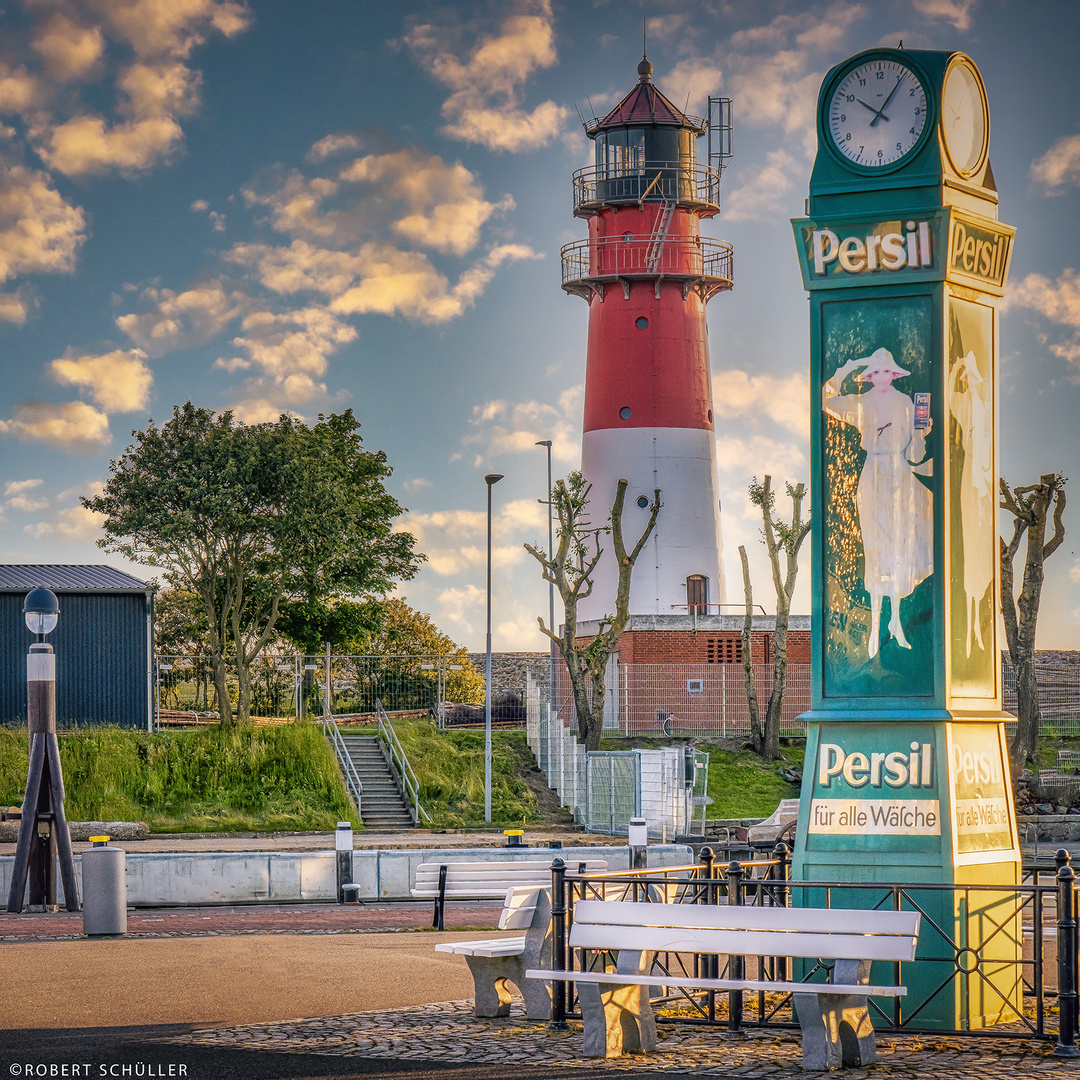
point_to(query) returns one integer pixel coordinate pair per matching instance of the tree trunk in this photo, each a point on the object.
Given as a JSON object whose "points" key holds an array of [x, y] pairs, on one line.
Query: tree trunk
{"points": [[748, 656]]}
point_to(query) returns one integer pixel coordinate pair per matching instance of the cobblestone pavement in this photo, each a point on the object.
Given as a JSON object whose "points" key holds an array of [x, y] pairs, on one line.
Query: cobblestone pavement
{"points": [[447, 1032], [257, 919]]}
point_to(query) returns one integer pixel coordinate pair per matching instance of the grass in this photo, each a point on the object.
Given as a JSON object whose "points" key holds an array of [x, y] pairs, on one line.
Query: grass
{"points": [[741, 784], [281, 778], [449, 767]]}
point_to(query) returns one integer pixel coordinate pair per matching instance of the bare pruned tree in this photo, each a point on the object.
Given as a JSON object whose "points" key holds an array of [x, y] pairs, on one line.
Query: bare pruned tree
{"points": [[779, 536], [1031, 507], [571, 569]]}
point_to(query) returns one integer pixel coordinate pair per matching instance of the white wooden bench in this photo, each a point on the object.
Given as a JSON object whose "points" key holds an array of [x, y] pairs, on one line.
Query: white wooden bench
{"points": [[835, 1023], [481, 880], [496, 962]]}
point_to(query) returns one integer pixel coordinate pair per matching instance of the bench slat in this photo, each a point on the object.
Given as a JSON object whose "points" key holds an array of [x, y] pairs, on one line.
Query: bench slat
{"points": [[509, 946], [722, 916], [740, 942], [660, 979], [519, 907]]}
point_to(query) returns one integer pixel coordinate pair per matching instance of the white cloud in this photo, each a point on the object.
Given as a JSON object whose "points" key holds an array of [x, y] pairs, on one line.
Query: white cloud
{"points": [[171, 320], [765, 191], [692, 81], [499, 427], [485, 106], [957, 12], [39, 231], [417, 483], [1059, 167], [1057, 301], [14, 308], [21, 487], [119, 381], [71, 523], [69, 425], [17, 494], [1074, 572], [331, 145], [738, 395], [70, 50], [455, 541]]}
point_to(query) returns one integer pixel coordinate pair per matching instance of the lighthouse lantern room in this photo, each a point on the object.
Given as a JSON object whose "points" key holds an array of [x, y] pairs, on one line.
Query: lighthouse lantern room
{"points": [[647, 273]]}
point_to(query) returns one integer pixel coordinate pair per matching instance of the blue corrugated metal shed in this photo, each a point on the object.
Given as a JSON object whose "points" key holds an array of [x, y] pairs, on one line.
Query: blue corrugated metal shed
{"points": [[104, 644]]}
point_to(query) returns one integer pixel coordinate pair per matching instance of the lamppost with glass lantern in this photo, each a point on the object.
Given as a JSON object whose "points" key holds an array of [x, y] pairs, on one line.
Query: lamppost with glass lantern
{"points": [[43, 832]]}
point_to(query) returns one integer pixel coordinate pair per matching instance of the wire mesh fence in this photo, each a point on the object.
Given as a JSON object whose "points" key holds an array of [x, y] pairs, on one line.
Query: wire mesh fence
{"points": [[677, 700]]}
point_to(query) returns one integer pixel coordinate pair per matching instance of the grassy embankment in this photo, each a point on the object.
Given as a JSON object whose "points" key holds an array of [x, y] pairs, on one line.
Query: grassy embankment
{"points": [[282, 778], [208, 780], [286, 779]]}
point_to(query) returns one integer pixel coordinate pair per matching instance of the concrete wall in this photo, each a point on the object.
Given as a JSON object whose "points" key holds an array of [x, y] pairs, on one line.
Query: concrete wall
{"points": [[179, 879]]}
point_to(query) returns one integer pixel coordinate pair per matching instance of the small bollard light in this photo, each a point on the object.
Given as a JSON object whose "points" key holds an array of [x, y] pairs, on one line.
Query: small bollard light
{"points": [[343, 842], [638, 839], [514, 837]]}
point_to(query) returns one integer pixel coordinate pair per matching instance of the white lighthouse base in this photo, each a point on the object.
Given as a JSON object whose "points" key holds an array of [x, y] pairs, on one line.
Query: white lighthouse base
{"points": [[681, 462]]}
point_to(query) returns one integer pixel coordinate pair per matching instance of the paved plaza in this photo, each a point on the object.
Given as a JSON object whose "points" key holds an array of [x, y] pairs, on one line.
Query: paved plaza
{"points": [[326, 990]]}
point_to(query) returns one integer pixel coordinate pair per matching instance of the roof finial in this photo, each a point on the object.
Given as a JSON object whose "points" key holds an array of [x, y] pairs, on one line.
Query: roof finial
{"points": [[644, 69]]}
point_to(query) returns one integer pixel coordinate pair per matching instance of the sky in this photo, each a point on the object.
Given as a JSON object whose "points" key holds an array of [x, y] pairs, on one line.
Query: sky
{"points": [[349, 204]]}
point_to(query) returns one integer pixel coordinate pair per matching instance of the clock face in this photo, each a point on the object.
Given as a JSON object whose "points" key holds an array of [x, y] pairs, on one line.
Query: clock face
{"points": [[877, 113], [964, 117]]}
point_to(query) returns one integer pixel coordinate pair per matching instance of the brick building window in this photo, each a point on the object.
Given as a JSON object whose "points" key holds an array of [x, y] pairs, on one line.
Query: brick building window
{"points": [[723, 650]]}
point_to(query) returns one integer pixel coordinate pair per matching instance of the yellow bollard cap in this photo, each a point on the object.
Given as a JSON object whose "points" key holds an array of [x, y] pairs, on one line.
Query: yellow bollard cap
{"points": [[99, 841]]}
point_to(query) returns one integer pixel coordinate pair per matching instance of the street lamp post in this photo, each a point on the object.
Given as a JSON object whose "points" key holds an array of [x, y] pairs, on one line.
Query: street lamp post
{"points": [[551, 584], [43, 830], [491, 479]]}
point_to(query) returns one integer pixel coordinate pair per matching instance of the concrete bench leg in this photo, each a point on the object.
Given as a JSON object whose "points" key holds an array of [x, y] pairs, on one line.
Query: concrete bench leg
{"points": [[618, 1019], [836, 1028], [491, 978]]}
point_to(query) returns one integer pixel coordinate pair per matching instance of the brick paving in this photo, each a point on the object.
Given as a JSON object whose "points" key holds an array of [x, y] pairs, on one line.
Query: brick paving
{"points": [[447, 1032], [257, 919]]}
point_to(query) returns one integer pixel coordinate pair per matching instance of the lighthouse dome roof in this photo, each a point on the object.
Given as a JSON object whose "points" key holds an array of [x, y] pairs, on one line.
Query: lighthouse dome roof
{"points": [[645, 106]]}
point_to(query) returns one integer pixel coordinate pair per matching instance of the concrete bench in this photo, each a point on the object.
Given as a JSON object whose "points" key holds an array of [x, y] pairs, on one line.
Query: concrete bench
{"points": [[836, 1027], [496, 962], [770, 829], [481, 880]]}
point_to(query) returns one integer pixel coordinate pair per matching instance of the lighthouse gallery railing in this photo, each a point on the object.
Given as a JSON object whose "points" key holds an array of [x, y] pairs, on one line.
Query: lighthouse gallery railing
{"points": [[612, 257], [682, 181]]}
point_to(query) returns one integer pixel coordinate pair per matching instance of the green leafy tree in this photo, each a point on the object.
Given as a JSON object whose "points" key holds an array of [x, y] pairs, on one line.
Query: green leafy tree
{"points": [[404, 631], [780, 537], [571, 569], [249, 517]]}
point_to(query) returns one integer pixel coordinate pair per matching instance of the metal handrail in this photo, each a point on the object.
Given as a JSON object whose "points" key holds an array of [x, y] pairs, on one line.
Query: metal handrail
{"points": [[620, 256], [400, 761], [352, 778], [686, 182]]}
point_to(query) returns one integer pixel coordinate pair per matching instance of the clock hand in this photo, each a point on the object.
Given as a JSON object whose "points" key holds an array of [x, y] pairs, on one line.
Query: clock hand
{"points": [[881, 112], [876, 112]]}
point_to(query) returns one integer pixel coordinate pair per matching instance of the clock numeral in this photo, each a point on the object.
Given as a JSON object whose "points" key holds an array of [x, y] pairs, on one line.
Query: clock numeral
{"points": [[851, 97], [911, 92], [881, 153], [843, 119], [879, 74], [899, 146], [862, 82]]}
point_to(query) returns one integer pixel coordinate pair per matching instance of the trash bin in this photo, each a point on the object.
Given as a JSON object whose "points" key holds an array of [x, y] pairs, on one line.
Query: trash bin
{"points": [[104, 889]]}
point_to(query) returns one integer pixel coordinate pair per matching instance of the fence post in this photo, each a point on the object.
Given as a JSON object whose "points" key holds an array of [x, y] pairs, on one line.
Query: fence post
{"points": [[781, 895], [1066, 958], [558, 945], [705, 896], [736, 964]]}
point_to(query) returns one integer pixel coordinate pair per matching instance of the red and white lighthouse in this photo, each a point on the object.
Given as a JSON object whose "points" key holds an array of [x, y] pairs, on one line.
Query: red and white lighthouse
{"points": [[647, 274]]}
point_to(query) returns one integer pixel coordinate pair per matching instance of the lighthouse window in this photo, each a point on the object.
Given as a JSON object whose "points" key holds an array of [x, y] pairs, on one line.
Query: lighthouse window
{"points": [[643, 501], [624, 412], [623, 151], [642, 322]]}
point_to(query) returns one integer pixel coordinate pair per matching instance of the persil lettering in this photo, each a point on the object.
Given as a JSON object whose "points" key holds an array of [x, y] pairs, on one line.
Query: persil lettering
{"points": [[875, 252], [911, 768]]}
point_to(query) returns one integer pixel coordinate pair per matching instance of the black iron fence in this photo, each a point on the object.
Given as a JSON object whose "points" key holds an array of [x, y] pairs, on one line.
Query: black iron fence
{"points": [[1035, 921]]}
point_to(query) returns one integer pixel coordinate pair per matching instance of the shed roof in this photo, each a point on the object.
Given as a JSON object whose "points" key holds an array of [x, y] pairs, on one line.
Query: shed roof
{"points": [[69, 579]]}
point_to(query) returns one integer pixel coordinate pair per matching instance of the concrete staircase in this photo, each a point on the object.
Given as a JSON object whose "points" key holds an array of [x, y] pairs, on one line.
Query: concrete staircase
{"points": [[382, 804]]}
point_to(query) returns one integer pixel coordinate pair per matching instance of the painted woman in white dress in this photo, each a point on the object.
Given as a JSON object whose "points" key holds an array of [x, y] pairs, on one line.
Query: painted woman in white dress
{"points": [[895, 509], [975, 428]]}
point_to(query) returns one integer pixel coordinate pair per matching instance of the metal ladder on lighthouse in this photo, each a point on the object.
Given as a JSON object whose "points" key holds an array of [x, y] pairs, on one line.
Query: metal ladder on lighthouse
{"points": [[659, 235]]}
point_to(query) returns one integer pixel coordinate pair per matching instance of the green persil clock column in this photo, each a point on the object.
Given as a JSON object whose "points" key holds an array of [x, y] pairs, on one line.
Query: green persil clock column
{"points": [[906, 776]]}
